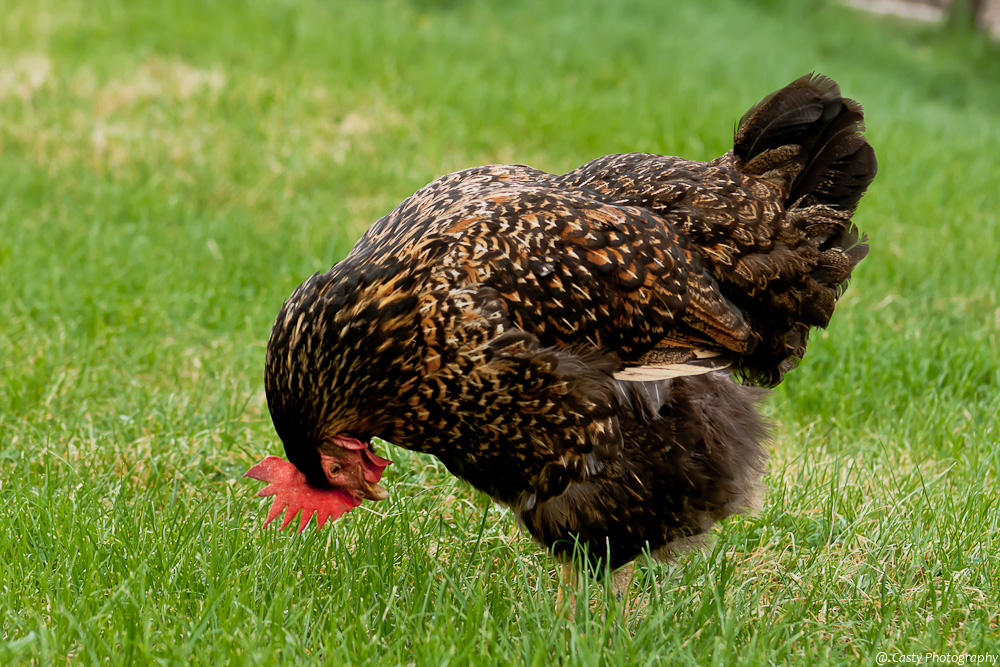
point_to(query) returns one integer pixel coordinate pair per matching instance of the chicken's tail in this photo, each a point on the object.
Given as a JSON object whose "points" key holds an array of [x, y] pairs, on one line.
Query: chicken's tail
{"points": [[809, 139], [806, 139]]}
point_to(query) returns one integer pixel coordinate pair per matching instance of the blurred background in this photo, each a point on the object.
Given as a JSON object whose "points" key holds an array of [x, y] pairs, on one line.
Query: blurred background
{"points": [[981, 14]]}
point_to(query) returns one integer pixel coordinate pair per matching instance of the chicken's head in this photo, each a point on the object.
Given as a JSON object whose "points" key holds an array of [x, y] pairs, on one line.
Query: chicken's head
{"points": [[351, 472], [351, 466], [332, 375]]}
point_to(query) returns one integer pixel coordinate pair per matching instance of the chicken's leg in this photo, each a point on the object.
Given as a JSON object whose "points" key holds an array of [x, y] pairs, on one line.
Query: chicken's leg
{"points": [[620, 580], [568, 588]]}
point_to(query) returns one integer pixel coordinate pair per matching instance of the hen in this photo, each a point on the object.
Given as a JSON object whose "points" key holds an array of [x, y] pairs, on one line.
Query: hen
{"points": [[559, 341]]}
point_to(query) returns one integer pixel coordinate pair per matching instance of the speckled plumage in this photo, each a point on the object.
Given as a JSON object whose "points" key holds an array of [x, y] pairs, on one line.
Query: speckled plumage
{"points": [[555, 339]]}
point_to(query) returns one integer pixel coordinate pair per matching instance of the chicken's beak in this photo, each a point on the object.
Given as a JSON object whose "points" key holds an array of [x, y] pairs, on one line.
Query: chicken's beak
{"points": [[373, 490]]}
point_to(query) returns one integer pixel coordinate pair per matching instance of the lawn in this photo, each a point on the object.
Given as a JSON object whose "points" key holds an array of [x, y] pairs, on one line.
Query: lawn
{"points": [[170, 171]]}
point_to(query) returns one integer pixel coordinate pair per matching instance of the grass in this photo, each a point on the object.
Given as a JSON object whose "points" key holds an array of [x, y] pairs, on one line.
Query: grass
{"points": [[170, 171]]}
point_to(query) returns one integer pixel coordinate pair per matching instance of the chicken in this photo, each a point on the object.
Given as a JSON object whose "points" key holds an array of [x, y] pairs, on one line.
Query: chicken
{"points": [[580, 347]]}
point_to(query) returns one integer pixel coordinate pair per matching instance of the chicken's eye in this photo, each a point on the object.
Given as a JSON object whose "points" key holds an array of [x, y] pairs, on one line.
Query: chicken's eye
{"points": [[335, 469]]}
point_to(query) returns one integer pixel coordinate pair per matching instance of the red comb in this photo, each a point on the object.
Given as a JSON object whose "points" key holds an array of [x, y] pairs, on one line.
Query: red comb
{"points": [[292, 493]]}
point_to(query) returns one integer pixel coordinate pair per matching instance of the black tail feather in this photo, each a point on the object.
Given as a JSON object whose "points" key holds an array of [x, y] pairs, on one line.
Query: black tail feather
{"points": [[809, 138], [808, 141]]}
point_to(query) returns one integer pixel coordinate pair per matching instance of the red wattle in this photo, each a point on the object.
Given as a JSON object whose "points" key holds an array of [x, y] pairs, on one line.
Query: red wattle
{"points": [[292, 493]]}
